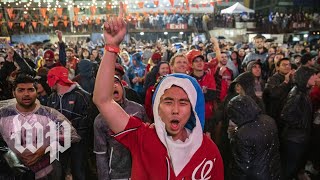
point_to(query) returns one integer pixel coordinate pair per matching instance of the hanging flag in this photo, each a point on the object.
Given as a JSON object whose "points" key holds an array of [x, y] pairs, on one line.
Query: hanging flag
{"points": [[55, 23], [34, 24], [76, 10], [10, 24], [59, 11], [93, 10], [22, 24], [43, 12], [65, 22], [10, 12], [172, 3]]}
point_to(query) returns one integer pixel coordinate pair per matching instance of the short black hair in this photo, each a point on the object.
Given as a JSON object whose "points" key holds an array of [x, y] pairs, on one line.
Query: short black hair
{"points": [[24, 78], [283, 59], [305, 58], [259, 36]]}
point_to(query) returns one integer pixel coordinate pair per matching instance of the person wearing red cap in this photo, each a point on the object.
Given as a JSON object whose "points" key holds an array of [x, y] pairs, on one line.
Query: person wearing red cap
{"points": [[205, 80], [49, 58], [154, 60], [74, 103]]}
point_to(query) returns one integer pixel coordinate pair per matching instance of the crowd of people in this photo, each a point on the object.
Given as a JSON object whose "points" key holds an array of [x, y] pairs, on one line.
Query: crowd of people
{"points": [[274, 22], [211, 110]]}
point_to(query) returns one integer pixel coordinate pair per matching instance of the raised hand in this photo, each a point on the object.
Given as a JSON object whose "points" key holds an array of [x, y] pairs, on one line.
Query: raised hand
{"points": [[59, 34], [214, 40], [115, 29]]}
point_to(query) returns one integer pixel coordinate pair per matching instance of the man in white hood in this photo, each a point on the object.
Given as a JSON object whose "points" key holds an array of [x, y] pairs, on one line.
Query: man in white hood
{"points": [[175, 148]]}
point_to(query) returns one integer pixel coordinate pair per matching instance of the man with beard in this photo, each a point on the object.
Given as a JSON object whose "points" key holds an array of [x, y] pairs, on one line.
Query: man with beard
{"points": [[113, 159], [223, 77], [28, 110], [74, 103], [260, 51]]}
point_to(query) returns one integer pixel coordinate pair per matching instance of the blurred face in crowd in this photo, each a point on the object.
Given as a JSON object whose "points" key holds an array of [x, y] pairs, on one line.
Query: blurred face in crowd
{"points": [[284, 67], [307, 49], [259, 43], [234, 56], [224, 59], [40, 89], [56, 57], [241, 52], [125, 57], [297, 60], [311, 62], [256, 70], [95, 53], [10, 53], [134, 62], [271, 51], [198, 64], [277, 58], [240, 90], [117, 91], [49, 62], [180, 65], [85, 54], [164, 69], [26, 95], [298, 48], [69, 54]]}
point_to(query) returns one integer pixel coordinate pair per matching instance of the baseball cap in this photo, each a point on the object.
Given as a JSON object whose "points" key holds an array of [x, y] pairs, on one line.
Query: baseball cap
{"points": [[48, 55], [58, 75]]}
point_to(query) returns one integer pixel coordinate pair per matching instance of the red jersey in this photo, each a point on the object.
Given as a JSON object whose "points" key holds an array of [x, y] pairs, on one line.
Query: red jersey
{"points": [[150, 159], [208, 82]]}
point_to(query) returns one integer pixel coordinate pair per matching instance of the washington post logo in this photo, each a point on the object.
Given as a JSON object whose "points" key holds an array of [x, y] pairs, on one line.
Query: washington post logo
{"points": [[32, 136]]}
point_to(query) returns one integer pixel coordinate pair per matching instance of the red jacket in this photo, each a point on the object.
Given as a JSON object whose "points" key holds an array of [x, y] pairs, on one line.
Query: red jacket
{"points": [[207, 82], [150, 158]]}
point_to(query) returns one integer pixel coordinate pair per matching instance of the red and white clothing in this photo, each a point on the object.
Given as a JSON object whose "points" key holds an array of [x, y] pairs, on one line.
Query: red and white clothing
{"points": [[150, 159]]}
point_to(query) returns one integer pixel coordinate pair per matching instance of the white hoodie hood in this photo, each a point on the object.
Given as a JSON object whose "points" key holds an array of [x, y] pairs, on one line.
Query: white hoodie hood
{"points": [[180, 152]]}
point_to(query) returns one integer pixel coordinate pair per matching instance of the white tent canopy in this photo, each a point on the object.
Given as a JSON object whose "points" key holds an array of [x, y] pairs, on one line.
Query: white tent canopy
{"points": [[236, 8]]}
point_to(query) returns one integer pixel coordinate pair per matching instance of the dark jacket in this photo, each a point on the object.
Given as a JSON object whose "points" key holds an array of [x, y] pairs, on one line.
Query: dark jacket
{"points": [[86, 73], [74, 105], [255, 145], [113, 158], [297, 113], [275, 94]]}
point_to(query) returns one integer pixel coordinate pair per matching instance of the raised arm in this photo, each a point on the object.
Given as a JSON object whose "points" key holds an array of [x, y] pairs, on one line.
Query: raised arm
{"points": [[62, 49], [116, 117], [216, 47]]}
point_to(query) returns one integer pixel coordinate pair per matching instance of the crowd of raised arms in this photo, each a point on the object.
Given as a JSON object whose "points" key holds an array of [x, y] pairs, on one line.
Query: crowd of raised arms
{"points": [[161, 110]]}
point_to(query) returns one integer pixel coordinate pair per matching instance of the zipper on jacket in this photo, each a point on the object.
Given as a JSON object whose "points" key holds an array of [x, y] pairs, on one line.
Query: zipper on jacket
{"points": [[60, 100], [110, 160], [168, 168]]}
